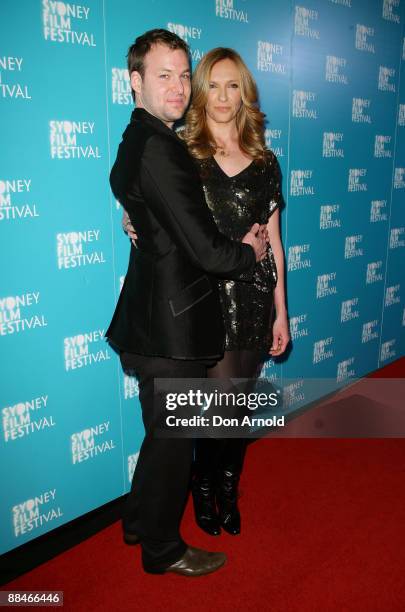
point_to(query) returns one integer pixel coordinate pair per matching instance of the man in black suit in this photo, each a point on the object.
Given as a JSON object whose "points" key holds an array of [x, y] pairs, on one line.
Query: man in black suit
{"points": [[168, 322]]}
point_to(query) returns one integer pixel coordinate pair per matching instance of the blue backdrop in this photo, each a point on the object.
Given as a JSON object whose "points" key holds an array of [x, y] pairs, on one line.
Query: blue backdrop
{"points": [[331, 81]]}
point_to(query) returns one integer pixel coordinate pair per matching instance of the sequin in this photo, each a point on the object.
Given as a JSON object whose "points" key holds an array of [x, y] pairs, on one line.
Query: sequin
{"points": [[236, 203]]}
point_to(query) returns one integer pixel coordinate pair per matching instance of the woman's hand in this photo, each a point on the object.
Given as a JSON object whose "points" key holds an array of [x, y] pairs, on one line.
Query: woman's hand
{"points": [[281, 335], [129, 228]]}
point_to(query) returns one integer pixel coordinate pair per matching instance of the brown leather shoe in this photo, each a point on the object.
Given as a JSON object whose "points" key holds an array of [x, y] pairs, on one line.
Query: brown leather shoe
{"points": [[197, 562]]}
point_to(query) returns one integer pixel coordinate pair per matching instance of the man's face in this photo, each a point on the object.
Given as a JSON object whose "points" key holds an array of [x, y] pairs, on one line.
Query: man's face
{"points": [[165, 89]]}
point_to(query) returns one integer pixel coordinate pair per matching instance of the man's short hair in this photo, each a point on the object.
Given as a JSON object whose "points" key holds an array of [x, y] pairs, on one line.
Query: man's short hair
{"points": [[143, 44]]}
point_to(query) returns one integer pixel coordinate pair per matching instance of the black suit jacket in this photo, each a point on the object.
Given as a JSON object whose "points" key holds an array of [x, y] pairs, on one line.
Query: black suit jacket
{"points": [[169, 304]]}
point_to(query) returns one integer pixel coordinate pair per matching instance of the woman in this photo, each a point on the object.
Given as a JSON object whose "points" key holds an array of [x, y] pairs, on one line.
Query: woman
{"points": [[224, 132]]}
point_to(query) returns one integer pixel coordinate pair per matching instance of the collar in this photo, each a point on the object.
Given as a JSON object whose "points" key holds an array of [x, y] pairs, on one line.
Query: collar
{"points": [[140, 114]]}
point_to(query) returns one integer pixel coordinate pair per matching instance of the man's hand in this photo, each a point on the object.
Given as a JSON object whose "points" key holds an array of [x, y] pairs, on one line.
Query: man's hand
{"points": [[258, 238], [129, 228]]}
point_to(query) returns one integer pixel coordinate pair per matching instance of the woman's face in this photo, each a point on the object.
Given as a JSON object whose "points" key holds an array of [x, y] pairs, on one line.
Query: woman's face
{"points": [[224, 97]]}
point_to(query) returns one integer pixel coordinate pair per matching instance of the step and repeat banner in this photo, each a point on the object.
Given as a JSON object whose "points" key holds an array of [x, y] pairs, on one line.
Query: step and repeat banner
{"points": [[332, 84]]}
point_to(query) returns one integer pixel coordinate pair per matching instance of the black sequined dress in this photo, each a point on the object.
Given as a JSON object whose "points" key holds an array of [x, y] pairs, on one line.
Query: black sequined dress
{"points": [[237, 202]]}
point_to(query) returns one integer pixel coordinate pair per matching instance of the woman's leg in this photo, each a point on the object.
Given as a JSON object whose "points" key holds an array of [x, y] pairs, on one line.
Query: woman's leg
{"points": [[219, 462]]}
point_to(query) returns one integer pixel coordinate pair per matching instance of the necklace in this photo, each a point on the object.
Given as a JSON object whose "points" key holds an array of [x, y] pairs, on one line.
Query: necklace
{"points": [[223, 152]]}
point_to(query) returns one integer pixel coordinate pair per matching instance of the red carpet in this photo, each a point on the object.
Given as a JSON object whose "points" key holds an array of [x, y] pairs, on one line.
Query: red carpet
{"points": [[323, 529]]}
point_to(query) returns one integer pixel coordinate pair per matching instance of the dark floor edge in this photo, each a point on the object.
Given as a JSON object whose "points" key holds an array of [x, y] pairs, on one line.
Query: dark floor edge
{"points": [[28, 556]]}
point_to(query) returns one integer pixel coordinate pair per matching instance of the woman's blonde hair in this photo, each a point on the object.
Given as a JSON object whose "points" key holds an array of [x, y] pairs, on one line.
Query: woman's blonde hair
{"points": [[249, 120]]}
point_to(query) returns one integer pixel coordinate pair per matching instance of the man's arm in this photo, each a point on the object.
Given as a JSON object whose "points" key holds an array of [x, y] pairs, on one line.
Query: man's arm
{"points": [[171, 187]]}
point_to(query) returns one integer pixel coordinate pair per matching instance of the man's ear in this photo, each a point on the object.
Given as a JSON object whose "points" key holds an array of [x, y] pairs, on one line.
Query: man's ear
{"points": [[136, 81]]}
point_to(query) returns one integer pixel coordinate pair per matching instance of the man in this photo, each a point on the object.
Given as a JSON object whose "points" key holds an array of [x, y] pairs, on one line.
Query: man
{"points": [[168, 321]]}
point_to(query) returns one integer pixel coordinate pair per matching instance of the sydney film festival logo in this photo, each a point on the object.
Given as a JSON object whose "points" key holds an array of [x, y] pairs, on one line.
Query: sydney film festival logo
{"points": [[272, 139], [359, 110], [16, 189], [388, 10], [363, 33], [352, 248], [35, 512], [85, 350], [380, 143], [325, 285], [300, 184], [270, 57], [66, 23], [11, 85], [73, 140], [91, 442], [355, 179], [20, 313], [77, 249], [387, 350], [374, 272], [298, 327], [377, 211], [322, 350], [121, 86], [330, 147], [344, 370], [384, 76], [369, 331], [335, 70], [348, 310], [397, 238], [329, 216], [302, 104], [191, 34], [297, 259], [231, 9], [304, 19], [26, 417], [399, 178]]}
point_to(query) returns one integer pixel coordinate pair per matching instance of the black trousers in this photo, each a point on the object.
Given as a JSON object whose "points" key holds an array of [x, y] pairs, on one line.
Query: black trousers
{"points": [[155, 504]]}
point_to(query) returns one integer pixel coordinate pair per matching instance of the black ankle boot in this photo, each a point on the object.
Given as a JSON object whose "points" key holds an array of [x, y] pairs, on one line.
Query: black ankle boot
{"points": [[227, 501], [202, 489]]}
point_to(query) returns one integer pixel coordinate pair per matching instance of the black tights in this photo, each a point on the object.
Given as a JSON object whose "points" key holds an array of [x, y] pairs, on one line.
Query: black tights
{"points": [[211, 454]]}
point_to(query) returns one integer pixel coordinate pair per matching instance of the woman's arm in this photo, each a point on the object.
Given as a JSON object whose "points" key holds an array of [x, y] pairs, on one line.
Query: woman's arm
{"points": [[281, 333]]}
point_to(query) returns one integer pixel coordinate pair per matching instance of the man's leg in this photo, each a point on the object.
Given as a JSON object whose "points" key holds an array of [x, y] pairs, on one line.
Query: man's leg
{"points": [[156, 502]]}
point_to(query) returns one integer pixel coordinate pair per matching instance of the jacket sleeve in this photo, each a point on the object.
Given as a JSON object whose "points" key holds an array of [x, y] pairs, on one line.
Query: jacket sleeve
{"points": [[172, 188]]}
